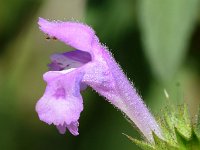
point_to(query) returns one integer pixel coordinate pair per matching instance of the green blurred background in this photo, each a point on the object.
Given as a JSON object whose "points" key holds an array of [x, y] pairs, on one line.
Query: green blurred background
{"points": [[156, 42]]}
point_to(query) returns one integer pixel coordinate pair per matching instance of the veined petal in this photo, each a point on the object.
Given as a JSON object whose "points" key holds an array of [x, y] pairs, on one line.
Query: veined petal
{"points": [[72, 59], [72, 127], [61, 103]]}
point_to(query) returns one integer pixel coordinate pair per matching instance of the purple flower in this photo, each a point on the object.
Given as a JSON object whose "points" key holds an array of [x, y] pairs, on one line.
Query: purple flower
{"points": [[90, 64]]}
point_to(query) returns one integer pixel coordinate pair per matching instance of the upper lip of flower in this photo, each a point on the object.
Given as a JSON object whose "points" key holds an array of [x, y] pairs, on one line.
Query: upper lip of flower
{"points": [[77, 35]]}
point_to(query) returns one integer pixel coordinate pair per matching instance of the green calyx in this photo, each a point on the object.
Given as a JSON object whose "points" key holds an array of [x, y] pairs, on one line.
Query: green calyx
{"points": [[178, 132]]}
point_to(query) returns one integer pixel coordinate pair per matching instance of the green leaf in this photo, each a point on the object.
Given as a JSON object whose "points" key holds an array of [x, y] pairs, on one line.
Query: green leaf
{"points": [[143, 145], [162, 145], [183, 123], [197, 127], [180, 139], [166, 29]]}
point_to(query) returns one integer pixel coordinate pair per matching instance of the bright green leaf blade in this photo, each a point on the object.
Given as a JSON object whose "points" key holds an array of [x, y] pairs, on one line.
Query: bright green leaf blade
{"points": [[166, 29], [161, 144], [183, 123], [197, 127], [143, 145]]}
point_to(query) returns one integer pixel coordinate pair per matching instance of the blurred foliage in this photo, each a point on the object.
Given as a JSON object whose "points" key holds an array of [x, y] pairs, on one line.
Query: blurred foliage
{"points": [[166, 28], [14, 15], [131, 29]]}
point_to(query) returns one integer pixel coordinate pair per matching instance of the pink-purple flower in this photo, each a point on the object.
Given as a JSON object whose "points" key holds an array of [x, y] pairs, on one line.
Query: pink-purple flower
{"points": [[89, 64]]}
